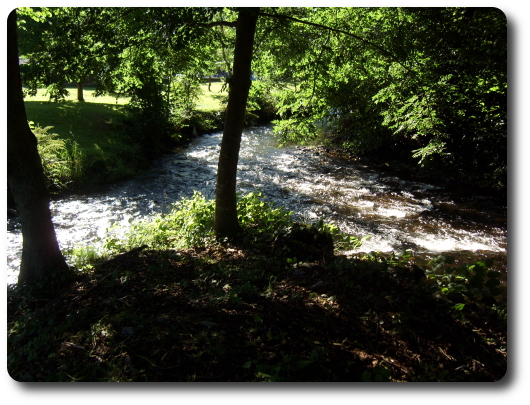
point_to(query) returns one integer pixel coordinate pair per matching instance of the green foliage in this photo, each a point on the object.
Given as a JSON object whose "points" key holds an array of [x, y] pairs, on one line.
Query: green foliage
{"points": [[83, 257], [185, 92], [428, 152], [259, 218], [63, 161], [148, 118], [260, 103], [422, 83], [341, 241], [475, 283], [190, 223], [135, 52], [57, 92], [295, 130]]}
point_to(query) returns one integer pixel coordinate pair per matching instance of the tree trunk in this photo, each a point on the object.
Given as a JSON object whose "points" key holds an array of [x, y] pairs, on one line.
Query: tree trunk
{"points": [[80, 91], [25, 177], [226, 222]]}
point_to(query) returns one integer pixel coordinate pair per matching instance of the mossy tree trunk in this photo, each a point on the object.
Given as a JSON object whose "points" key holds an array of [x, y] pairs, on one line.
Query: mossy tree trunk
{"points": [[25, 177]]}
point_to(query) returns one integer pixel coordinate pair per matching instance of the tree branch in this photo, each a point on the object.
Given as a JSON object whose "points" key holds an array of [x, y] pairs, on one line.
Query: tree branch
{"points": [[379, 48], [217, 24]]}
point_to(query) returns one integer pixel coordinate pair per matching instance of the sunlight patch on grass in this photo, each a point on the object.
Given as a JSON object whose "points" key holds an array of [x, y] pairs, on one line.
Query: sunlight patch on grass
{"points": [[210, 100], [88, 95]]}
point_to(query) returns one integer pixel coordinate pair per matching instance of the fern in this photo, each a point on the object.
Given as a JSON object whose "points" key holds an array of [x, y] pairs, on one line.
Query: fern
{"points": [[62, 161]]}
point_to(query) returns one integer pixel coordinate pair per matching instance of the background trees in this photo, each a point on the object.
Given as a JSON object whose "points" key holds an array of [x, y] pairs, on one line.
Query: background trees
{"points": [[141, 53], [424, 83]]}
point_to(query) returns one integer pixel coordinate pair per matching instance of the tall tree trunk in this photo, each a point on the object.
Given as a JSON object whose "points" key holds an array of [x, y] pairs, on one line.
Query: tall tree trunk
{"points": [[80, 91], [25, 177], [226, 222]]}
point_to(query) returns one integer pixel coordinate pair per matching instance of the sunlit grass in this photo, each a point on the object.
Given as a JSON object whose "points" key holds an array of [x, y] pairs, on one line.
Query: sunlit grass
{"points": [[89, 124], [88, 95], [210, 99]]}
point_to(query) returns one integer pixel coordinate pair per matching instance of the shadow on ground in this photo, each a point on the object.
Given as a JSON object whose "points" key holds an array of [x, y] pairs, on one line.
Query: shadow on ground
{"points": [[229, 314]]}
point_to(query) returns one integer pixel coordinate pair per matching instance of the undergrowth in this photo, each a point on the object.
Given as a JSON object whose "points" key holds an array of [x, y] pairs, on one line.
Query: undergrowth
{"points": [[178, 305], [189, 223]]}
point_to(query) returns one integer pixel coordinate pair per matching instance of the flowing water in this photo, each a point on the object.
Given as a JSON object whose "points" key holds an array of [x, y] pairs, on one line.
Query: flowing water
{"points": [[397, 214]]}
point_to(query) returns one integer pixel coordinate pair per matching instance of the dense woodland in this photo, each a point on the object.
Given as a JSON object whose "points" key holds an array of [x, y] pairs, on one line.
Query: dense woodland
{"points": [[422, 88]]}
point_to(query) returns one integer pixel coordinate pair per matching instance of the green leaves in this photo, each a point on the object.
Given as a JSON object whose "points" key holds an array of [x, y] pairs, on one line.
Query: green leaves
{"points": [[476, 282], [260, 217], [424, 88], [435, 147], [190, 223]]}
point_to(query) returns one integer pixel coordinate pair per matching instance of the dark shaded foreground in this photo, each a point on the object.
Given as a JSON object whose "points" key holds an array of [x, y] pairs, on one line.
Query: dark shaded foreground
{"points": [[226, 314]]}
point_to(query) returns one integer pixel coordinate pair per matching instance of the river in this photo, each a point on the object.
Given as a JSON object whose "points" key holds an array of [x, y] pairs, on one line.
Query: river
{"points": [[397, 214]]}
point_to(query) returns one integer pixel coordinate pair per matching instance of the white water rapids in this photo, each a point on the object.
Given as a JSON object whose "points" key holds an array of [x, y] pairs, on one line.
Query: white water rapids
{"points": [[397, 214]]}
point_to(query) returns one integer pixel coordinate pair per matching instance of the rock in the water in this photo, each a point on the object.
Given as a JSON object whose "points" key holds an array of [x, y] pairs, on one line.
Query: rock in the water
{"points": [[302, 269], [298, 273]]}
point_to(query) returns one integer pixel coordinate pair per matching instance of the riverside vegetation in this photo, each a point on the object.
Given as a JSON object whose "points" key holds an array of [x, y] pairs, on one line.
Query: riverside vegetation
{"points": [[167, 301]]}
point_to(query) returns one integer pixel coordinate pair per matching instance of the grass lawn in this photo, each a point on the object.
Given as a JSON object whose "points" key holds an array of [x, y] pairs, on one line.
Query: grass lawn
{"points": [[88, 94], [210, 99]]}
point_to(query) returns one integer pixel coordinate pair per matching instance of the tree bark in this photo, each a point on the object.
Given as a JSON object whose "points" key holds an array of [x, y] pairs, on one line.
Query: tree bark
{"points": [[80, 91], [226, 222], [25, 177]]}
